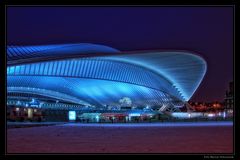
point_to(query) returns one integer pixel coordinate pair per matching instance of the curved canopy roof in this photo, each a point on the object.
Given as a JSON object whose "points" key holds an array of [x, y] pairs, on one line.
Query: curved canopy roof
{"points": [[24, 54], [183, 69], [178, 73]]}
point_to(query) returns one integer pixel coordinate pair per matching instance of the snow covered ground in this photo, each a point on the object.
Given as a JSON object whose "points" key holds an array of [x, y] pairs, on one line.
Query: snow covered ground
{"points": [[30, 124], [180, 137]]}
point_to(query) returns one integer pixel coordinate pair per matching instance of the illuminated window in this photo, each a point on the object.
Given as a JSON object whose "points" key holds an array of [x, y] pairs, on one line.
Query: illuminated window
{"points": [[72, 115]]}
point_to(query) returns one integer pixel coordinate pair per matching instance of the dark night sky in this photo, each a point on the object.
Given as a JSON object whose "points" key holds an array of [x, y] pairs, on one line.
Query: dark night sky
{"points": [[205, 30]]}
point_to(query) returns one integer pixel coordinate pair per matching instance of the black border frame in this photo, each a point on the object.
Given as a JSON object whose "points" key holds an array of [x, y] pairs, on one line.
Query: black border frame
{"points": [[5, 4]]}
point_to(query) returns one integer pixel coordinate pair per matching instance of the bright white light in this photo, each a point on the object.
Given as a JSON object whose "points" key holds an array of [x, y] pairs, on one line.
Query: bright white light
{"points": [[211, 115], [72, 115], [134, 114], [17, 109], [97, 118], [224, 114], [180, 115]]}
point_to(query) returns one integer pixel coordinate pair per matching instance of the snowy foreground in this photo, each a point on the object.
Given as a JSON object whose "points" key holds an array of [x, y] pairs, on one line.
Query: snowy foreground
{"points": [[180, 137]]}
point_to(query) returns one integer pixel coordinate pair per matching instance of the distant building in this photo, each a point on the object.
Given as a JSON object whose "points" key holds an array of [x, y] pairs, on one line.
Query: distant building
{"points": [[228, 101], [207, 106]]}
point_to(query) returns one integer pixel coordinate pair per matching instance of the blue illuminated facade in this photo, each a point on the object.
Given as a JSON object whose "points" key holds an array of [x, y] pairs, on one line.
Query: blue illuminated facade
{"points": [[96, 75]]}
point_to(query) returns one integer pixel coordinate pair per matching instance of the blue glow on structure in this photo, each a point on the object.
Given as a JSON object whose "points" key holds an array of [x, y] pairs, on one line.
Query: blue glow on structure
{"points": [[147, 78], [184, 70], [56, 50], [72, 115], [11, 70]]}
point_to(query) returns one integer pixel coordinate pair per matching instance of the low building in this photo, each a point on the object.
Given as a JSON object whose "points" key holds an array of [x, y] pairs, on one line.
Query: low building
{"points": [[229, 98]]}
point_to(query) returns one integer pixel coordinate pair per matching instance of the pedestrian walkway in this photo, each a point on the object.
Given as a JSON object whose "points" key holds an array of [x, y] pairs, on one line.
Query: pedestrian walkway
{"points": [[165, 124]]}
